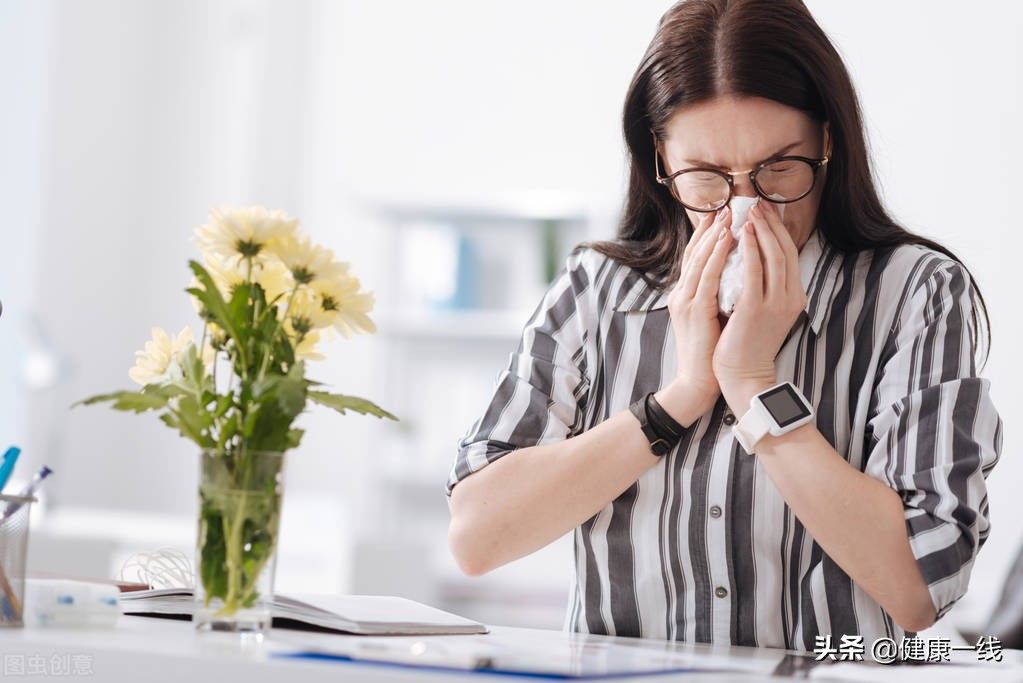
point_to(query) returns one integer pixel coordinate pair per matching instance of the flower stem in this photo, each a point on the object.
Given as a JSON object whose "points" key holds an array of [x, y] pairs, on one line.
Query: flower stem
{"points": [[277, 328]]}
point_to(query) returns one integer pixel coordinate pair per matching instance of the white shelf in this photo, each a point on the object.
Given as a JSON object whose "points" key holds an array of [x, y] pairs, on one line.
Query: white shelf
{"points": [[469, 324]]}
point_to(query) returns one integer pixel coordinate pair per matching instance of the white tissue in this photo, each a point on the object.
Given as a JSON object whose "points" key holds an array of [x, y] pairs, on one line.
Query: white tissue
{"points": [[731, 274]]}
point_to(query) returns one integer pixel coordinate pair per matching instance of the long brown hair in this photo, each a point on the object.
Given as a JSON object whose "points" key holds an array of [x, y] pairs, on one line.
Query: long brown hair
{"points": [[772, 49]]}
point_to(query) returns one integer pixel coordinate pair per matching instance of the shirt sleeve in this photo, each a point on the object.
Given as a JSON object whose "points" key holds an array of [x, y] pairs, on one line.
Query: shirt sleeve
{"points": [[540, 396], [936, 434]]}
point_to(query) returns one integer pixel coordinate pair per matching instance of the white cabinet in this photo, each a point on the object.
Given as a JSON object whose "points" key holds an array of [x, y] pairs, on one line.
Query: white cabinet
{"points": [[466, 280]]}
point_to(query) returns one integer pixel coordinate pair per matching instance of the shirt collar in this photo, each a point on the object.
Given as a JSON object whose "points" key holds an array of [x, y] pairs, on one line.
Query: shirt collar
{"points": [[817, 272]]}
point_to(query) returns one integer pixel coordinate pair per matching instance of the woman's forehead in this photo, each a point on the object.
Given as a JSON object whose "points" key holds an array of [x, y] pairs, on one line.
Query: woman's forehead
{"points": [[727, 130]]}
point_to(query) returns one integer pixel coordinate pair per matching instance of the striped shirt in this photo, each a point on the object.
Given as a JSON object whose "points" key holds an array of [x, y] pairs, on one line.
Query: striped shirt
{"points": [[702, 547]]}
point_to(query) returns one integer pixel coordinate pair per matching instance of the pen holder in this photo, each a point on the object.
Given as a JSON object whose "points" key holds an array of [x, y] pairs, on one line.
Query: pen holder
{"points": [[14, 511]]}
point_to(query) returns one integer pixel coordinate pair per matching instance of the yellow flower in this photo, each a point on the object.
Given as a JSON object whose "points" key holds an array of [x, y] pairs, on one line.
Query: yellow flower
{"points": [[159, 361], [306, 349], [269, 274], [225, 277], [303, 337], [351, 306], [307, 262], [239, 234], [216, 337], [307, 311]]}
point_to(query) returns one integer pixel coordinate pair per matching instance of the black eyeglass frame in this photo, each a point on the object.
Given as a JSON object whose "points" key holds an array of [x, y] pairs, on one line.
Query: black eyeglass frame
{"points": [[669, 180]]}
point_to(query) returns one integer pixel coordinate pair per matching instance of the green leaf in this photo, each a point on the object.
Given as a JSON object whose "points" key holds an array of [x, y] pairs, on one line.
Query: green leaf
{"points": [[287, 391], [341, 403], [209, 296], [293, 389], [227, 431], [213, 551], [270, 340], [150, 397], [196, 419], [283, 352], [191, 423], [244, 297], [193, 371], [249, 426], [276, 401], [294, 437], [224, 404]]}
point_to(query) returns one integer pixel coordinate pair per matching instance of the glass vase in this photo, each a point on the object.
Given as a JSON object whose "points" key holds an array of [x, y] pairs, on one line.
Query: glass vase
{"points": [[236, 552]]}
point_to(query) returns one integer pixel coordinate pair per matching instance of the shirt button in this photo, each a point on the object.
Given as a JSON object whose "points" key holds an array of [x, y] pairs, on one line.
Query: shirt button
{"points": [[721, 591], [715, 511], [729, 419]]}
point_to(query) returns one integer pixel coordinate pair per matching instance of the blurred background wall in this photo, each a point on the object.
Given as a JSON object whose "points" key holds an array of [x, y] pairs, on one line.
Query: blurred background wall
{"points": [[405, 136]]}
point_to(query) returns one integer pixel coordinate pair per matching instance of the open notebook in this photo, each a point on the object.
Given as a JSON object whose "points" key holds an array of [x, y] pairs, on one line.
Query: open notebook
{"points": [[359, 614]]}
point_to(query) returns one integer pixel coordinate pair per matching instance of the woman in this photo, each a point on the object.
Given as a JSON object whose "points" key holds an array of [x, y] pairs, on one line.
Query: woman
{"points": [[865, 521]]}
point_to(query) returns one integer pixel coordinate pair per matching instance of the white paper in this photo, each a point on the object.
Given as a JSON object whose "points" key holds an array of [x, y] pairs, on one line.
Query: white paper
{"points": [[367, 614]]}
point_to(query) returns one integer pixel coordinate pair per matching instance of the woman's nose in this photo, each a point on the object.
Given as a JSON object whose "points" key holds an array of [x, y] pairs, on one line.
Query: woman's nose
{"points": [[743, 187]]}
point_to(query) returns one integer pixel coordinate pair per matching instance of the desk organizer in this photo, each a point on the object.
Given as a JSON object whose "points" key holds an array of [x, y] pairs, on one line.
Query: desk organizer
{"points": [[14, 513]]}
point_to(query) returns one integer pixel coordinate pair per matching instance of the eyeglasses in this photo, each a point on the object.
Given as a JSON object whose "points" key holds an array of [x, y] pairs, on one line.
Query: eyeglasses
{"points": [[781, 180]]}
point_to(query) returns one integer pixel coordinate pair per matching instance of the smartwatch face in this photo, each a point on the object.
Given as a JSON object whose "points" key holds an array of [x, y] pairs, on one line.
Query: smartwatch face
{"points": [[784, 405]]}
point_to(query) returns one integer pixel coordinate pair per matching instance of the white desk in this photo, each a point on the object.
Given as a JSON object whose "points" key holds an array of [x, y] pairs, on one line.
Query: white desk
{"points": [[146, 650]]}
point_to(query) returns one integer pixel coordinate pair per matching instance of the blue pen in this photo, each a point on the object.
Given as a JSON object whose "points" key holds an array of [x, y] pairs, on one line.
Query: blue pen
{"points": [[10, 457], [26, 492]]}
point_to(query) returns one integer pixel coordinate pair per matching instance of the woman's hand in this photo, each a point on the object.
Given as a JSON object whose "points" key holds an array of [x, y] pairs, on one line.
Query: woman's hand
{"points": [[771, 300], [693, 306]]}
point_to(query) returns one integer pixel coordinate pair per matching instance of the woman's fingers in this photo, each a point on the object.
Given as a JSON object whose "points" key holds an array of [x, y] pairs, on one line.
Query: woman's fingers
{"points": [[772, 256], [694, 262], [702, 226], [793, 281], [710, 278], [752, 266]]}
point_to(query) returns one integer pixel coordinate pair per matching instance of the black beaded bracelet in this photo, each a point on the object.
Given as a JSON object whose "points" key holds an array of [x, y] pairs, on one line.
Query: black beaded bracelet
{"points": [[664, 424]]}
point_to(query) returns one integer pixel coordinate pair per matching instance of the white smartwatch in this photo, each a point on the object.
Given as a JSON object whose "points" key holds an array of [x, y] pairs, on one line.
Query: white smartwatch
{"points": [[776, 411]]}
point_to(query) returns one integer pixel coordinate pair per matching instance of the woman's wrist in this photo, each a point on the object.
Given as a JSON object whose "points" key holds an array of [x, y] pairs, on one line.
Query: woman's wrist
{"points": [[684, 403]]}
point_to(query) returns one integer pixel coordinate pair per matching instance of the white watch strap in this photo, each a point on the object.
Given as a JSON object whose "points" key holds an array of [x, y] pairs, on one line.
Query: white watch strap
{"points": [[752, 426]]}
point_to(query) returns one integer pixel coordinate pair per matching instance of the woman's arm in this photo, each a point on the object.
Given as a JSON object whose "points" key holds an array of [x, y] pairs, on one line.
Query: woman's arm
{"points": [[908, 527], [857, 520], [534, 495]]}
